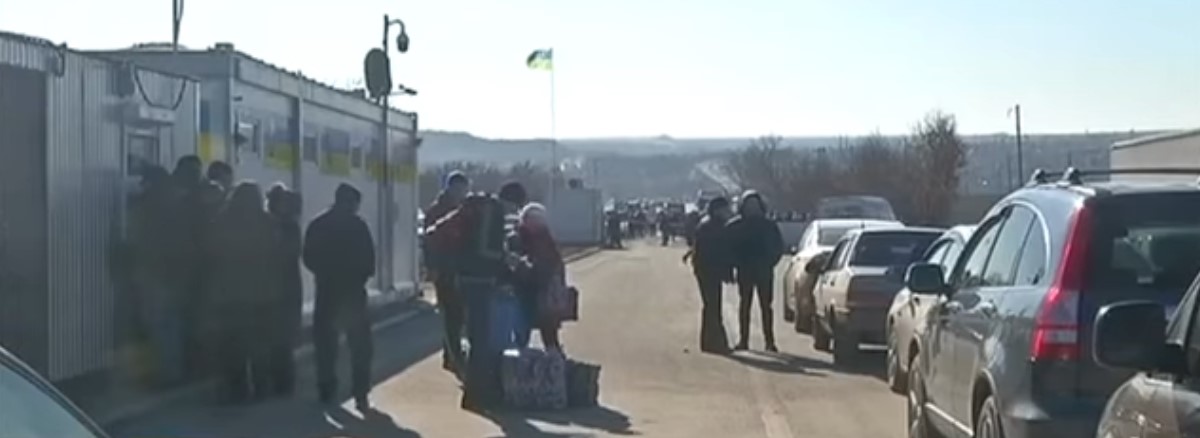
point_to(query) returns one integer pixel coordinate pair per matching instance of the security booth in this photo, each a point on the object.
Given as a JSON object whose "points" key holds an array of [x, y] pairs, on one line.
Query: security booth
{"points": [[1168, 149], [74, 129], [273, 125]]}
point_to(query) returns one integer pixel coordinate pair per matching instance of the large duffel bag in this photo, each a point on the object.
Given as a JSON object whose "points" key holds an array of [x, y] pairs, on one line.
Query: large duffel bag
{"points": [[534, 379], [583, 384]]}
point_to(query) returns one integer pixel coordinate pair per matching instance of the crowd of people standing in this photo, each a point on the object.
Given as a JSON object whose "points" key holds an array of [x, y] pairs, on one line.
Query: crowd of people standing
{"points": [[213, 271]]}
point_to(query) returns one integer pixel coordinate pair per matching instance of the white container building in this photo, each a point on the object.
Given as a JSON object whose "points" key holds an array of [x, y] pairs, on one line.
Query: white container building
{"points": [[71, 124], [273, 125]]}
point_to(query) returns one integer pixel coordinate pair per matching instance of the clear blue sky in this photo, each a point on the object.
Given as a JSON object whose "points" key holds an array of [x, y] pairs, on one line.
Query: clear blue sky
{"points": [[692, 68]]}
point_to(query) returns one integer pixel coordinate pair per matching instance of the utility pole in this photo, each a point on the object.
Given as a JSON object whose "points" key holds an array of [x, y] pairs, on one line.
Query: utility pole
{"points": [[1020, 153]]}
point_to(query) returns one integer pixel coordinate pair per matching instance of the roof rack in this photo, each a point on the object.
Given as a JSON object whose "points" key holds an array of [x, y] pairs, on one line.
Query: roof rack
{"points": [[1073, 176]]}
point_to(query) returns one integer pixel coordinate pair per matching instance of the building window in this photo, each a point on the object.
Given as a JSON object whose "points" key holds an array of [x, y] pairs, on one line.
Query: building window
{"points": [[142, 153], [311, 143]]}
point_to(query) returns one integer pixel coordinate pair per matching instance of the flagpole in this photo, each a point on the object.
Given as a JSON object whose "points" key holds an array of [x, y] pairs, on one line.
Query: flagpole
{"points": [[553, 138]]}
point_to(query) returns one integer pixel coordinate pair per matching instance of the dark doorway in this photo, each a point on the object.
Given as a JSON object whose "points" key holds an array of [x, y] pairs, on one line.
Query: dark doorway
{"points": [[23, 284]]}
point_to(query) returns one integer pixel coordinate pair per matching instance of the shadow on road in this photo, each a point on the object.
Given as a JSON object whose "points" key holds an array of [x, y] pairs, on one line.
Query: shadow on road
{"points": [[781, 362], [396, 349], [599, 418], [868, 363]]}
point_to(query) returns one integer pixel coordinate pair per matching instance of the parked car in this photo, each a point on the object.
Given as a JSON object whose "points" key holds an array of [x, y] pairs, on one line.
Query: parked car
{"points": [[856, 285], [1006, 348], [818, 237], [855, 207], [31, 407], [1161, 400], [909, 308]]}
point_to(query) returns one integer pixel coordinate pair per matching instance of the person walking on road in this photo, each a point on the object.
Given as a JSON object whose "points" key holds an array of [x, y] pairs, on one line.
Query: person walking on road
{"points": [[340, 252], [757, 247], [449, 303], [285, 314], [243, 237], [712, 266]]}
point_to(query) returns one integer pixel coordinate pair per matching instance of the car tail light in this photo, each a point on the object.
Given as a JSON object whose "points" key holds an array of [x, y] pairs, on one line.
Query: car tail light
{"points": [[1056, 327]]}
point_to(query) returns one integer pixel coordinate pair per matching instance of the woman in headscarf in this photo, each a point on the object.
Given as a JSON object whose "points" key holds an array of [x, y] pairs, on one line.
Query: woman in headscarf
{"points": [[544, 270], [243, 240], [285, 207]]}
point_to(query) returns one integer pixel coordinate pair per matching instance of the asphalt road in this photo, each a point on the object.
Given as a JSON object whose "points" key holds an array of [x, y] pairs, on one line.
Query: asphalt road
{"points": [[640, 318]]}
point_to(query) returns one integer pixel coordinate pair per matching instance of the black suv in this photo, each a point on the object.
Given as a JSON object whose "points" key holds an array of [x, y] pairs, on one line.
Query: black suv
{"points": [[1005, 351]]}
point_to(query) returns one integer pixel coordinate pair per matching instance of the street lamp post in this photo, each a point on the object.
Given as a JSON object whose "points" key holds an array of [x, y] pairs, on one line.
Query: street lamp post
{"points": [[379, 83]]}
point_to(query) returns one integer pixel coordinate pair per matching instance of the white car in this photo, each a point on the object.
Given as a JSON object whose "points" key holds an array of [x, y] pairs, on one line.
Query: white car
{"points": [[819, 237], [908, 308]]}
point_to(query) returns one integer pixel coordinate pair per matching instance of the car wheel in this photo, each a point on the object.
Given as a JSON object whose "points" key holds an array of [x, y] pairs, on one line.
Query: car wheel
{"points": [[845, 344], [988, 423], [820, 337], [896, 377], [917, 419]]}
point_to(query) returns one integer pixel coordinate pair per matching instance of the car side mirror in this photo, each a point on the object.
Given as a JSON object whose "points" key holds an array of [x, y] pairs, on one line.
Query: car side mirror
{"points": [[793, 250], [817, 264], [1132, 335], [926, 278]]}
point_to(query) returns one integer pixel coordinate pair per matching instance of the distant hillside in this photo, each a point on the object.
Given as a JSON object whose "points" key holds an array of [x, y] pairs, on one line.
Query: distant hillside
{"points": [[663, 166]]}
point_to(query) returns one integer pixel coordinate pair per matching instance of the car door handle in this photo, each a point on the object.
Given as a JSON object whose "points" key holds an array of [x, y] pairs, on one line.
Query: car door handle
{"points": [[987, 308]]}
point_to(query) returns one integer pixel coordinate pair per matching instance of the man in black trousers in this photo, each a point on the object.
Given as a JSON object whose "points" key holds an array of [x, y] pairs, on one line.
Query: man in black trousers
{"points": [[757, 247], [340, 252], [711, 265]]}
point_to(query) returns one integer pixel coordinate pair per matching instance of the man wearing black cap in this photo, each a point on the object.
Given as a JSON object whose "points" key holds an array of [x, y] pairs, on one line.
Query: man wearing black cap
{"points": [[340, 252], [456, 187], [712, 266]]}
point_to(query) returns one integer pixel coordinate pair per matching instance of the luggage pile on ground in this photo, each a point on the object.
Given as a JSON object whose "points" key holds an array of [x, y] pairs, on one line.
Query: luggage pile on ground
{"points": [[534, 379], [541, 380]]}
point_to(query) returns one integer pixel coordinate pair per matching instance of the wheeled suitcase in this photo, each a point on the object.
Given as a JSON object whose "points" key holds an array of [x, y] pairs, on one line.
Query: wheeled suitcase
{"points": [[534, 379], [583, 384]]}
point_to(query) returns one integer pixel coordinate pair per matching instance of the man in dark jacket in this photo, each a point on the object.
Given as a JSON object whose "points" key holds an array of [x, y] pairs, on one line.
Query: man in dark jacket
{"points": [[340, 252], [475, 235], [711, 265], [456, 188], [757, 247]]}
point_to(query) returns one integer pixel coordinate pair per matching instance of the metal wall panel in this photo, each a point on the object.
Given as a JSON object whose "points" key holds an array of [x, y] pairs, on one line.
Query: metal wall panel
{"points": [[84, 174]]}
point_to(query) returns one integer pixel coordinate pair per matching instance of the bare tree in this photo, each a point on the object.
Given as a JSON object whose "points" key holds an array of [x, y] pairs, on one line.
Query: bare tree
{"points": [[942, 154], [918, 175]]}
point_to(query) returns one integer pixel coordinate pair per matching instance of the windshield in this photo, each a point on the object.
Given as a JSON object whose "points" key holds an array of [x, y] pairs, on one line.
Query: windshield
{"points": [[855, 207], [891, 248], [28, 411]]}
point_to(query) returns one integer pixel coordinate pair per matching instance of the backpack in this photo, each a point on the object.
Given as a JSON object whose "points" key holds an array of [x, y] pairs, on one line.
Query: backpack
{"points": [[470, 239]]}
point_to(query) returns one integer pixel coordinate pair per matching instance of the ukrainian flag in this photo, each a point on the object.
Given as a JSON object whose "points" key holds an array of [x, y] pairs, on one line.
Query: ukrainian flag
{"points": [[541, 59]]}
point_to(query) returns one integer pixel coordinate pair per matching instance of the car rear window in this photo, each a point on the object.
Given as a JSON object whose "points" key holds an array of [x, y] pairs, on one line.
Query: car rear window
{"points": [[828, 236], [855, 207], [1146, 243], [891, 248]]}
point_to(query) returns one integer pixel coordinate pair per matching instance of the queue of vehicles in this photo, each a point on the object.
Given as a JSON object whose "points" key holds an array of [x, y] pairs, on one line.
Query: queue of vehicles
{"points": [[1059, 314]]}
